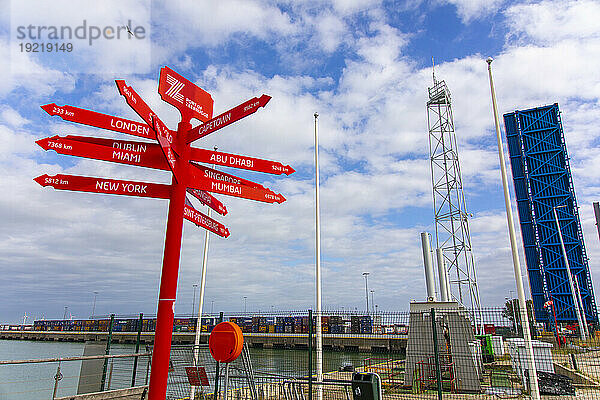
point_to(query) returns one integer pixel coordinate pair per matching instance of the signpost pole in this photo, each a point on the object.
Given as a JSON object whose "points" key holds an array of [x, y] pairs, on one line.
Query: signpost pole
{"points": [[170, 270]]}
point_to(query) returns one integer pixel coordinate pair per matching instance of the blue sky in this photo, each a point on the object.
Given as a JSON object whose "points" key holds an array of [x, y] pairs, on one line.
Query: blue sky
{"points": [[365, 67]]}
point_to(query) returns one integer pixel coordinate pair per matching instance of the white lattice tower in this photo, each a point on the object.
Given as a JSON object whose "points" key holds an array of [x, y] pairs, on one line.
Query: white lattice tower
{"points": [[451, 218]]}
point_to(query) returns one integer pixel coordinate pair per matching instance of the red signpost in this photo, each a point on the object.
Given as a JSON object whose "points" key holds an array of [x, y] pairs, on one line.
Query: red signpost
{"points": [[208, 200], [195, 216], [189, 99], [231, 189], [173, 152], [228, 117], [210, 173], [103, 185], [242, 162], [165, 139], [99, 120], [140, 154]]}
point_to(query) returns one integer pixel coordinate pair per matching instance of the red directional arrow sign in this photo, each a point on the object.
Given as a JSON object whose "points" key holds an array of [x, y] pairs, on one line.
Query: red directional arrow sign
{"points": [[107, 186], [165, 139], [208, 200], [191, 214], [237, 161], [136, 102], [198, 181], [163, 134], [190, 100], [140, 154], [223, 177], [99, 120], [228, 117]]}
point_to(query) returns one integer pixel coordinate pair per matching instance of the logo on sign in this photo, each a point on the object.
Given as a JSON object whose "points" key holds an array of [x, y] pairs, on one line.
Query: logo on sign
{"points": [[175, 88]]}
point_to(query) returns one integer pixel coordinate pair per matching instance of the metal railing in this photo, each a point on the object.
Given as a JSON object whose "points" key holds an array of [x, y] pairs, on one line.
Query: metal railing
{"points": [[398, 346], [29, 379]]}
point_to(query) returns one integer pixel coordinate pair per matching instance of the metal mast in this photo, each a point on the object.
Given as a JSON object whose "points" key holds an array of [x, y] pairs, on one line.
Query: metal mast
{"points": [[452, 233]]}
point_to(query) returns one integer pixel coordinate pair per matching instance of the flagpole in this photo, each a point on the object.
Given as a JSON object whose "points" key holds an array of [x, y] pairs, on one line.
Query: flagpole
{"points": [[201, 300], [535, 391], [318, 264]]}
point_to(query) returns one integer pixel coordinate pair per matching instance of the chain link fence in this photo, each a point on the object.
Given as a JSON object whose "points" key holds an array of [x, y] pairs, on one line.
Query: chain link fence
{"points": [[435, 351]]}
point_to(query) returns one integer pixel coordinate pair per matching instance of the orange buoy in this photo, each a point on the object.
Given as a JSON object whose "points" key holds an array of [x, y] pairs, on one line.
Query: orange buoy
{"points": [[225, 342]]}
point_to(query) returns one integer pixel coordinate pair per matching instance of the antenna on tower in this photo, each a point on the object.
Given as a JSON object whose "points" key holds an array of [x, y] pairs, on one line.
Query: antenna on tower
{"points": [[433, 70]]}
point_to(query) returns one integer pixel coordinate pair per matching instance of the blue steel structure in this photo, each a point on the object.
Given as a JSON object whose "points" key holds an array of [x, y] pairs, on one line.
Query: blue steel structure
{"points": [[542, 180]]}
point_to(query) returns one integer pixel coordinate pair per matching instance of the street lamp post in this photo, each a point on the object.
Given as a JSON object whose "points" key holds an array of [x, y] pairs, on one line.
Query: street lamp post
{"points": [[373, 300], [94, 305], [195, 285], [366, 275], [571, 285], [245, 297]]}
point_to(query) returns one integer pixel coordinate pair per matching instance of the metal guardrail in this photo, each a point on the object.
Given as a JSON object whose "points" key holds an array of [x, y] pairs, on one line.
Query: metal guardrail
{"points": [[44, 383], [74, 358]]}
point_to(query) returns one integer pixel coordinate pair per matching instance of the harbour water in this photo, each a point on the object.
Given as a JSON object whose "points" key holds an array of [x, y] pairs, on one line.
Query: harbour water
{"points": [[36, 381]]}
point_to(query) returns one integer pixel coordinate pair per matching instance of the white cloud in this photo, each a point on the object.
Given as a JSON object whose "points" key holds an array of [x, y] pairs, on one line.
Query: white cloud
{"points": [[10, 116], [90, 38], [30, 76], [331, 30], [352, 6], [469, 10], [183, 24], [550, 22]]}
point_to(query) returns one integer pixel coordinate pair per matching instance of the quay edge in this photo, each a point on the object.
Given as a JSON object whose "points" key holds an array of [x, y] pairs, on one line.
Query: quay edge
{"points": [[374, 343]]}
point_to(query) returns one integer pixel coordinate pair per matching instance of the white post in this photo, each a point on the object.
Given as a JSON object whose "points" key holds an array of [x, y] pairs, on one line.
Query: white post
{"points": [[318, 265], [366, 275], [535, 391], [200, 304], [570, 276], [442, 275], [580, 304], [201, 300], [429, 279]]}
